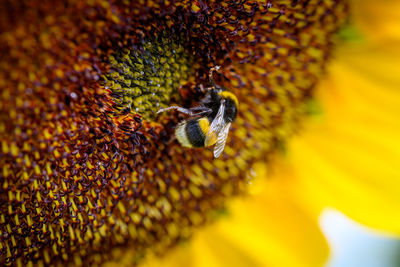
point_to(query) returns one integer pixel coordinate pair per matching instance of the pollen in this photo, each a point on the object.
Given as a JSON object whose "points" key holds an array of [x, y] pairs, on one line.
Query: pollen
{"points": [[144, 80]]}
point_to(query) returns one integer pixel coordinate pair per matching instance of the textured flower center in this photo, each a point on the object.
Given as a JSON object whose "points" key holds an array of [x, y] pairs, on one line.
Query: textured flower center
{"points": [[85, 169], [143, 80]]}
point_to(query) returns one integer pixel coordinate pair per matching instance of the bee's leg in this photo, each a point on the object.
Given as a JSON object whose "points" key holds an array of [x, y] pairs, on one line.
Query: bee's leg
{"points": [[183, 110], [192, 111], [200, 111]]}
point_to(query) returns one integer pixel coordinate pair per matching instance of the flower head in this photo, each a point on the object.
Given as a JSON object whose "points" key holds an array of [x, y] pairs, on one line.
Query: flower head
{"points": [[86, 164]]}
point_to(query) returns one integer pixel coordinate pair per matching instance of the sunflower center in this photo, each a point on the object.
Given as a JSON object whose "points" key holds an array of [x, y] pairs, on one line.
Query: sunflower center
{"points": [[143, 79]]}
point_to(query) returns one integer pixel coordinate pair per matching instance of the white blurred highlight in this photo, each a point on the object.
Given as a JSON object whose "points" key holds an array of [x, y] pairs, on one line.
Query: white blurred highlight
{"points": [[354, 245]]}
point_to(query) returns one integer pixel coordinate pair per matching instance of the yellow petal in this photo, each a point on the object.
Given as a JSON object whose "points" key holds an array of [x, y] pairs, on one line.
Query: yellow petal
{"points": [[349, 158], [267, 228], [379, 20]]}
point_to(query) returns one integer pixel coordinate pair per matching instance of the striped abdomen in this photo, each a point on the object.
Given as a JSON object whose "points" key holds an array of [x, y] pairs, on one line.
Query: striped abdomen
{"points": [[192, 133]]}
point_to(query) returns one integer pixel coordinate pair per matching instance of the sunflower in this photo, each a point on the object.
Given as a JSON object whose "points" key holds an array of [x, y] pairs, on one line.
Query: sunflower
{"points": [[89, 172]]}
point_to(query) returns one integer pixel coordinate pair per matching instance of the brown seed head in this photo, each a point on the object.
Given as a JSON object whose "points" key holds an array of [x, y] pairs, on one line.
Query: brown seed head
{"points": [[86, 166]]}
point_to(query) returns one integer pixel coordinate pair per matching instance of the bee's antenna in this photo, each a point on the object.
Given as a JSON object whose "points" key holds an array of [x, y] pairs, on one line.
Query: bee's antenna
{"points": [[211, 76]]}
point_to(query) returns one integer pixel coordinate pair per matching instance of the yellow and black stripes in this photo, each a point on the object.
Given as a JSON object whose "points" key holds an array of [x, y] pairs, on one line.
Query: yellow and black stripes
{"points": [[192, 133]]}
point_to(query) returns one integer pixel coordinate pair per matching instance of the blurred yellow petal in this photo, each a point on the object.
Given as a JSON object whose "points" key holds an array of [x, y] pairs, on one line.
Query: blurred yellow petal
{"points": [[267, 228], [349, 157], [379, 20]]}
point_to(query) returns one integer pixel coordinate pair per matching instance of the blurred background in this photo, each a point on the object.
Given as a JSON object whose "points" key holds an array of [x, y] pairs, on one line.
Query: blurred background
{"points": [[374, 24], [352, 244]]}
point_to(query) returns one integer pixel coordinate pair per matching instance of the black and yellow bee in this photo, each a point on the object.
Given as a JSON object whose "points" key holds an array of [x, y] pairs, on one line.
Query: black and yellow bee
{"points": [[210, 121]]}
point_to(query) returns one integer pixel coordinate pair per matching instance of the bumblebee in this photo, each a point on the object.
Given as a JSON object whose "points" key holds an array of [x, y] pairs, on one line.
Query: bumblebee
{"points": [[210, 121]]}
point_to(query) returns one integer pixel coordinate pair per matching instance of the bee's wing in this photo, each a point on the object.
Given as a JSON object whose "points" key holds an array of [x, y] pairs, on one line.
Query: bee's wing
{"points": [[222, 136], [216, 126]]}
